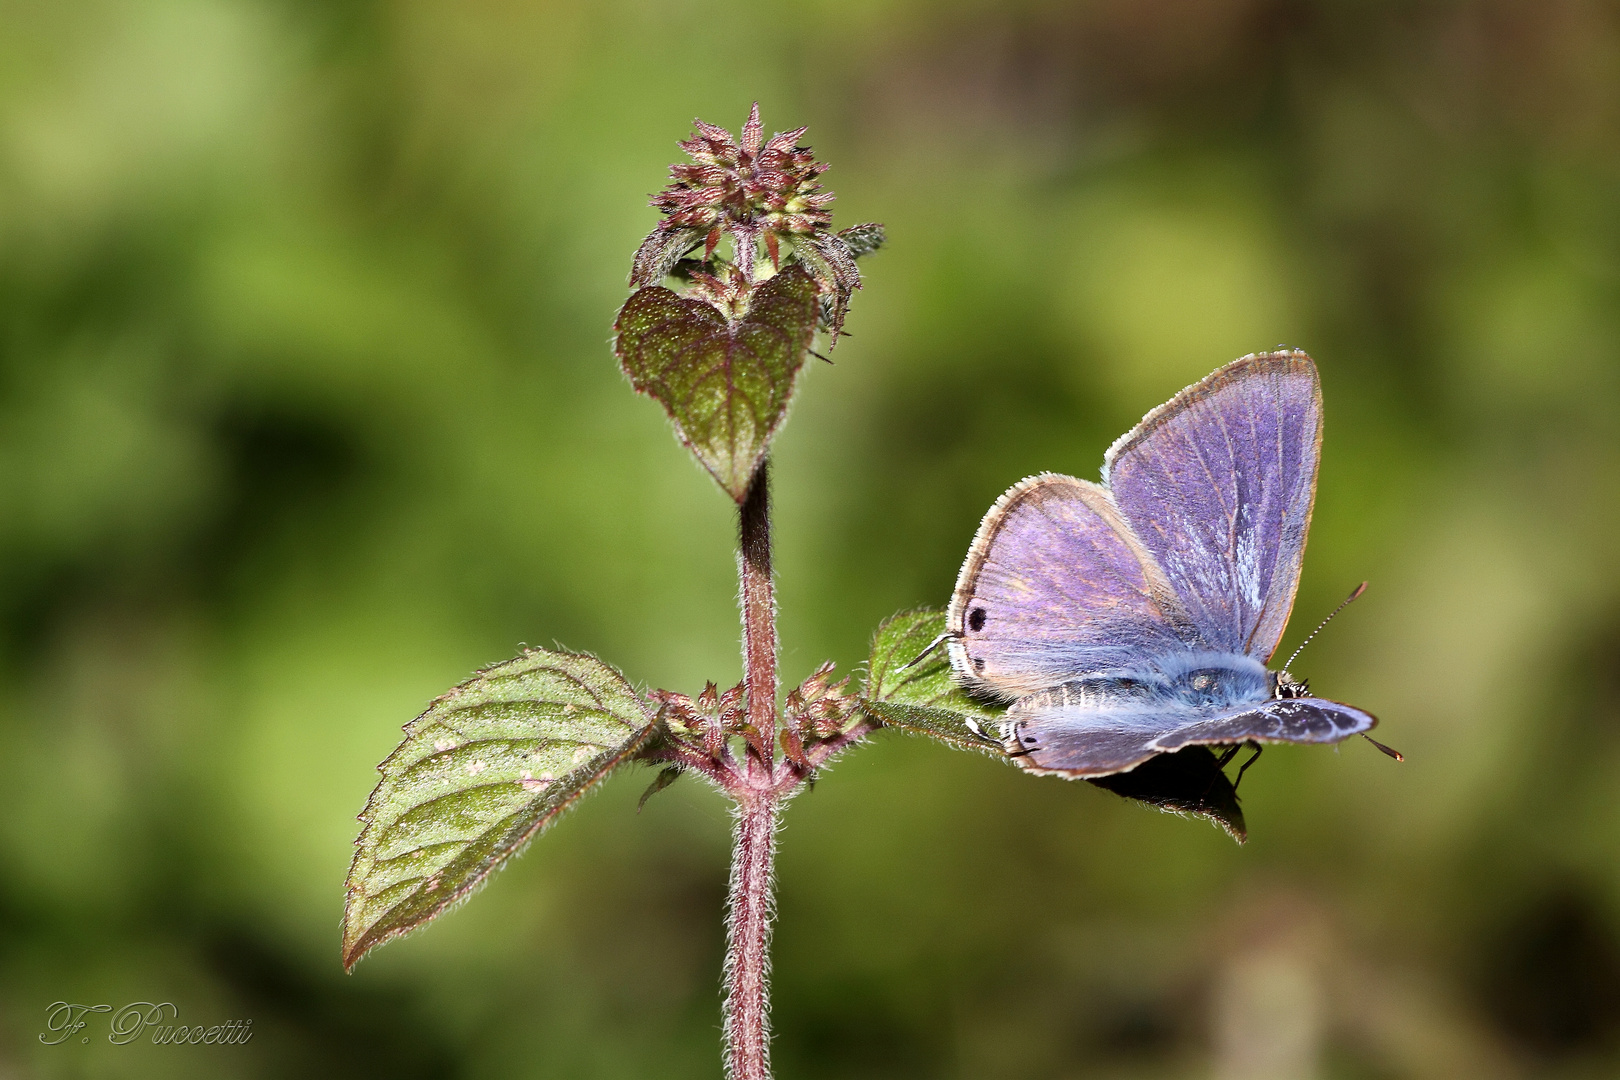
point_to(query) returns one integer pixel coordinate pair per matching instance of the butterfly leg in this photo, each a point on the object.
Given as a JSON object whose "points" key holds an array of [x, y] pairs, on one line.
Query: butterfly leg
{"points": [[1258, 750], [1220, 768]]}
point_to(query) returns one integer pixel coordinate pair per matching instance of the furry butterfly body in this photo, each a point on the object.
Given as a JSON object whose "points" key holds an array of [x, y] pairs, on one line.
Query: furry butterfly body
{"points": [[1136, 617]]}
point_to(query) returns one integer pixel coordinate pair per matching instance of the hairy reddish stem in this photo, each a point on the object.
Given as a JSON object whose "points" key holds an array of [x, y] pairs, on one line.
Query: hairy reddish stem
{"points": [[748, 939], [758, 619], [748, 917]]}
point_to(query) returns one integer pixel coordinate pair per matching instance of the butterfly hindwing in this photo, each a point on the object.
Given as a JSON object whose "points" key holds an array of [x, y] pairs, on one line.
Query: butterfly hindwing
{"points": [[1055, 587], [1218, 484], [1078, 741]]}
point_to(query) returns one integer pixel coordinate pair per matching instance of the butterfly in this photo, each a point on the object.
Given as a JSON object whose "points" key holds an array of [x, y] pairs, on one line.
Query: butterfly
{"points": [[1136, 617]]}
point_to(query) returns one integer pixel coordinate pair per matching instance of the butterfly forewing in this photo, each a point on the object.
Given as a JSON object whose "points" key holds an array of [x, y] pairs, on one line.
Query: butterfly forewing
{"points": [[1296, 720], [1099, 747], [1088, 741], [1055, 587], [1218, 484]]}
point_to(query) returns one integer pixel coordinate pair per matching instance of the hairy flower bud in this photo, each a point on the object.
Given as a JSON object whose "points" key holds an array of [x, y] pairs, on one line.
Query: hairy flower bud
{"points": [[758, 192]]}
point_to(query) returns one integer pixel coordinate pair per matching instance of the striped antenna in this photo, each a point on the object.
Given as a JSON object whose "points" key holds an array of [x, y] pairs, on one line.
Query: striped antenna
{"points": [[1359, 590]]}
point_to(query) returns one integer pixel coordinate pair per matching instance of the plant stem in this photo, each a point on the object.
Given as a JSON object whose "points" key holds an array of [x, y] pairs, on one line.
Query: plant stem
{"points": [[748, 939], [758, 613], [748, 917]]}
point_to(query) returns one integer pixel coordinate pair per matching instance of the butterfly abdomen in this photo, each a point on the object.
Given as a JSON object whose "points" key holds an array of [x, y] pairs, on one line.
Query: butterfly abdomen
{"points": [[1188, 684]]}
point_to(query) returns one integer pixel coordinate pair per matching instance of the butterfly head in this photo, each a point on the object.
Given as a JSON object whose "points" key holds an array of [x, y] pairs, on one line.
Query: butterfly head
{"points": [[1284, 685]]}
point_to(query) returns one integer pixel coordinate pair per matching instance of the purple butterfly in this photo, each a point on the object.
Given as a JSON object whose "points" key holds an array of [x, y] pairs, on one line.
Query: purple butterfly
{"points": [[1136, 617]]}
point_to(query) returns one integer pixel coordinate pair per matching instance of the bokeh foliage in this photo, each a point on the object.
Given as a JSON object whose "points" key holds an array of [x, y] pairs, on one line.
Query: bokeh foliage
{"points": [[307, 410]]}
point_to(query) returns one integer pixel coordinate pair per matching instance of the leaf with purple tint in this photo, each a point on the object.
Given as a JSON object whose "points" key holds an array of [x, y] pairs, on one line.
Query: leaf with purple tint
{"points": [[726, 383], [485, 769]]}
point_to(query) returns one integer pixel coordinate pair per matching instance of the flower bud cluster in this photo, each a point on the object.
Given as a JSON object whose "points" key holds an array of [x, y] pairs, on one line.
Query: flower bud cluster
{"points": [[746, 183], [758, 192]]}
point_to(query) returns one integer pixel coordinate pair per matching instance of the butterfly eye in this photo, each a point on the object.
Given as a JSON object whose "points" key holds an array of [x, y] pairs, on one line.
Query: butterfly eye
{"points": [[976, 619]]}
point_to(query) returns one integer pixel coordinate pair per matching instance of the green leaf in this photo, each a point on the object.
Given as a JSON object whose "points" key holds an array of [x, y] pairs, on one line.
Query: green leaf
{"points": [[891, 676], [830, 262], [725, 383], [863, 239], [660, 252], [666, 776], [960, 730], [486, 768], [924, 696]]}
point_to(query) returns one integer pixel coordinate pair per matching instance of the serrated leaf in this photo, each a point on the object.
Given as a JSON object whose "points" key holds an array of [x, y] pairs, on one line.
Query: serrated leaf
{"points": [[726, 384], [486, 768], [925, 698], [960, 730], [891, 675]]}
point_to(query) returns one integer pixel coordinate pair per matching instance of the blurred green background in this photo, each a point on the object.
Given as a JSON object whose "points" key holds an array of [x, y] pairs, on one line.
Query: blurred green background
{"points": [[307, 408]]}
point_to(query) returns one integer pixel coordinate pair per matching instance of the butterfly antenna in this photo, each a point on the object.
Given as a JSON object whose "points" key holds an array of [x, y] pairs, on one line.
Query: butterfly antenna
{"points": [[932, 645], [1358, 591]]}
